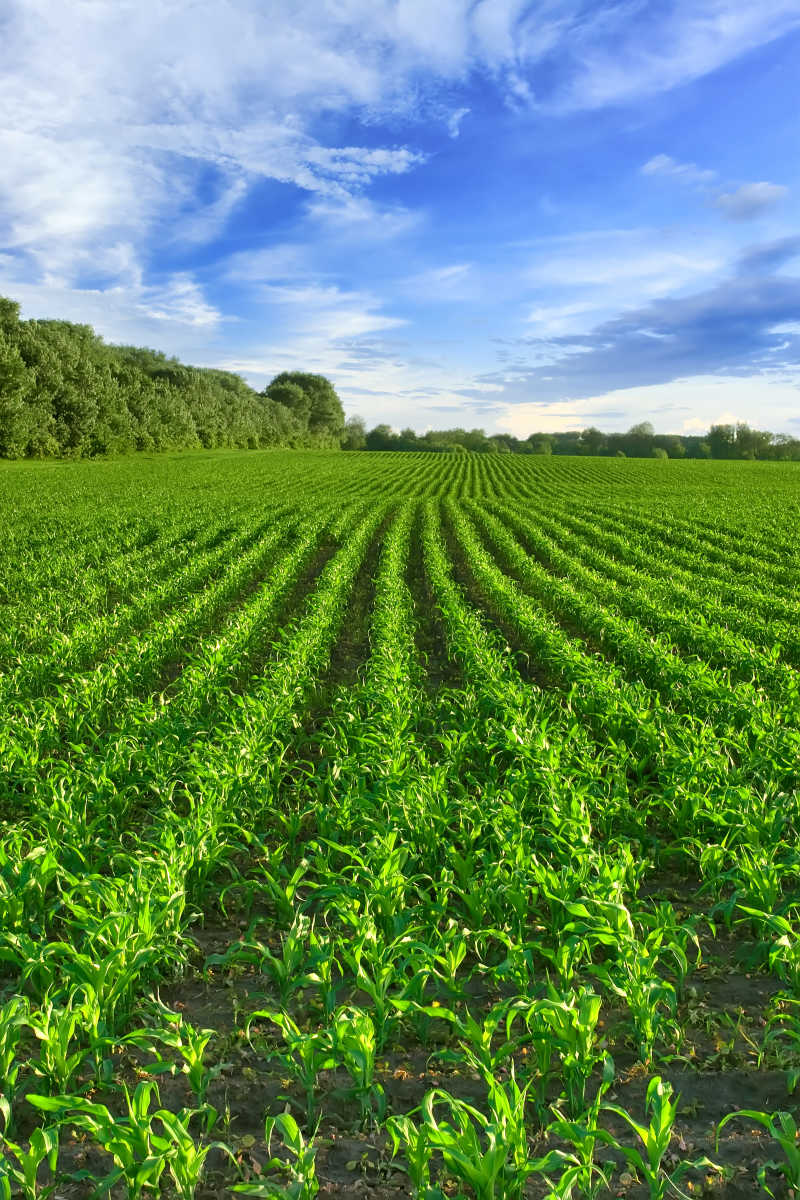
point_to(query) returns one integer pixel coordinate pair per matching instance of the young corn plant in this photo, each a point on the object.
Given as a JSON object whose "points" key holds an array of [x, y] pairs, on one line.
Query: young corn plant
{"points": [[654, 1138], [651, 1001], [572, 1025], [478, 1040], [355, 1046], [579, 1169], [778, 944], [300, 1171], [487, 1152], [139, 1154], [781, 1042], [190, 1043], [186, 1159], [417, 1152], [782, 1128], [19, 1168], [286, 969], [304, 1056], [61, 1053], [323, 971], [13, 1018]]}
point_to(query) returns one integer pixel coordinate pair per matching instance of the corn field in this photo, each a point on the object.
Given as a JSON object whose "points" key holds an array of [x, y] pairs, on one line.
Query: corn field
{"points": [[399, 825]]}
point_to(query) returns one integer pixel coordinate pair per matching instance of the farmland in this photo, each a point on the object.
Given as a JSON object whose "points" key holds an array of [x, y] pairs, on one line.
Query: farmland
{"points": [[440, 811]]}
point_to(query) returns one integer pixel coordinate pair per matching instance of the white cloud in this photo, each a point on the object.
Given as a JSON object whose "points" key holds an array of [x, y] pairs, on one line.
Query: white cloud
{"points": [[323, 314], [750, 200], [359, 217], [623, 52], [204, 225], [113, 107], [663, 164], [173, 315], [181, 300], [556, 320], [742, 204], [451, 283], [581, 278], [454, 121]]}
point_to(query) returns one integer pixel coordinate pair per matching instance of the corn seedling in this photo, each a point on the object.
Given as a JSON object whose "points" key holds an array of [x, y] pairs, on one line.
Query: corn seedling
{"points": [[300, 1170], [654, 1139], [139, 1154], [306, 1054], [19, 1168], [782, 1128]]}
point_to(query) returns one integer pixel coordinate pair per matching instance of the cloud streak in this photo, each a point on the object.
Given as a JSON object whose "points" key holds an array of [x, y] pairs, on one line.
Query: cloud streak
{"points": [[742, 203], [744, 324], [750, 200]]}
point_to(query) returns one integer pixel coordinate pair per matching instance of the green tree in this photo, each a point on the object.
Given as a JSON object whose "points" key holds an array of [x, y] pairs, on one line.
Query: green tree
{"points": [[355, 434], [722, 440], [15, 412], [381, 438], [752, 443], [638, 441], [592, 441], [319, 408]]}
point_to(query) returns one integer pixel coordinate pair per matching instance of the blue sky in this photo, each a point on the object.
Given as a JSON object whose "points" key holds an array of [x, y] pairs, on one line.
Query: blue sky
{"points": [[524, 216]]}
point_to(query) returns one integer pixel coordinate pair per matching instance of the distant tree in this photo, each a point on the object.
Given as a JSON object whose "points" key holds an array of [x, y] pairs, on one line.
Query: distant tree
{"points": [[541, 444], [444, 447], [355, 434], [592, 441], [785, 448], [291, 396], [722, 441], [659, 452], [381, 438], [15, 413], [319, 409], [476, 440], [672, 444], [638, 441], [568, 443], [752, 443], [9, 316]]}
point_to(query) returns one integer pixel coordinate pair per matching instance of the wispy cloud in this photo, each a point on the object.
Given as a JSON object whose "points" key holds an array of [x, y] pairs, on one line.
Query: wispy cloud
{"points": [[750, 200], [769, 256], [663, 164], [95, 96], [454, 121], [453, 283], [180, 300], [742, 203], [730, 328], [362, 218]]}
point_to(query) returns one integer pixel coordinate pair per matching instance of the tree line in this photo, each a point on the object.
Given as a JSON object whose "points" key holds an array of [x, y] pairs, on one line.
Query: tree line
{"points": [[640, 441], [65, 392]]}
